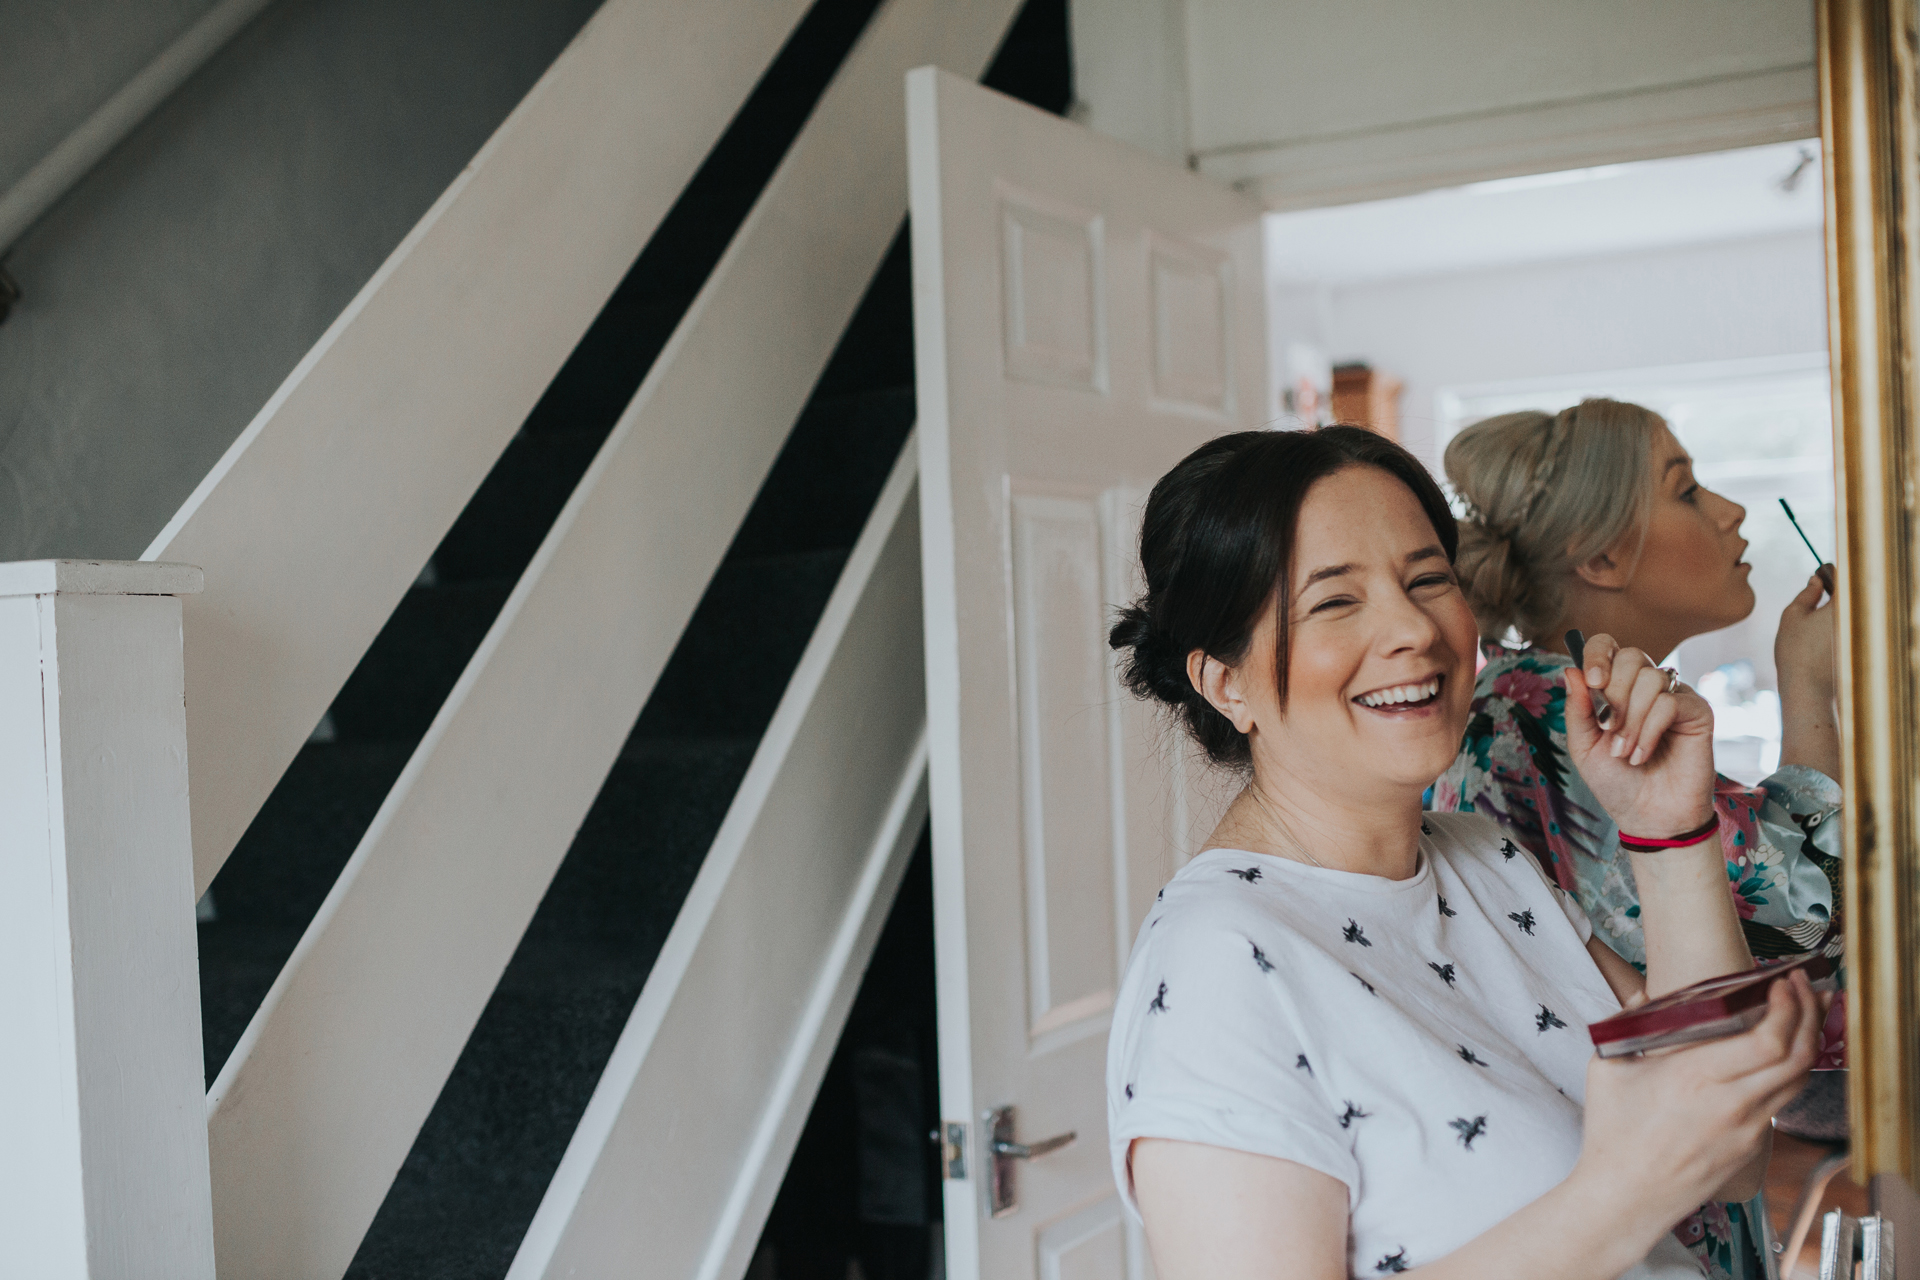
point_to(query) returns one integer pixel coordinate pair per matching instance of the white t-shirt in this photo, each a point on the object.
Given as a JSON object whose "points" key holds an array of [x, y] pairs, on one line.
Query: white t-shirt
{"points": [[1423, 1041]]}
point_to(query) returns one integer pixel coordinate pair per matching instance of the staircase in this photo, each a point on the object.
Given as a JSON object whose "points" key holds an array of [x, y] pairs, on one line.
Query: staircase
{"points": [[477, 1171]]}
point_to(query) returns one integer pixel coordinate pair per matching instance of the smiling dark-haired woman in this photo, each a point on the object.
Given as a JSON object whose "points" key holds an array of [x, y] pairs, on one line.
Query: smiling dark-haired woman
{"points": [[1351, 1036]]}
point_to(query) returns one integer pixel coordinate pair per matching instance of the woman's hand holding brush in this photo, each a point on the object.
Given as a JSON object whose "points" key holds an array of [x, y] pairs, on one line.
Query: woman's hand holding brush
{"points": [[1804, 656]]}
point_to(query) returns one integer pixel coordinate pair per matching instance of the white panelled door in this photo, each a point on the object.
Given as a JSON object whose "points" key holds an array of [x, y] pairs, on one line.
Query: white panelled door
{"points": [[1084, 314]]}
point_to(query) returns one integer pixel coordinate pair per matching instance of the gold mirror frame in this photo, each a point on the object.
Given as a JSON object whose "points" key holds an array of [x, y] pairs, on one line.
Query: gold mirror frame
{"points": [[1868, 101]]}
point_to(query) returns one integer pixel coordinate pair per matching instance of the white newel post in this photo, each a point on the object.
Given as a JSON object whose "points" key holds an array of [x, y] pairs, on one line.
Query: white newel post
{"points": [[103, 1115]]}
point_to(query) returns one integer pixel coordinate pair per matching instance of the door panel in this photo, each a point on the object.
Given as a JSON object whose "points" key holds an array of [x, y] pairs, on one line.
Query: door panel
{"points": [[1085, 315], [1059, 613]]}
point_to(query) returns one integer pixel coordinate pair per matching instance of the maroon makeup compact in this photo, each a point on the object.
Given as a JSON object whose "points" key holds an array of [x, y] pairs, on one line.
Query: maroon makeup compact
{"points": [[1704, 1011]]}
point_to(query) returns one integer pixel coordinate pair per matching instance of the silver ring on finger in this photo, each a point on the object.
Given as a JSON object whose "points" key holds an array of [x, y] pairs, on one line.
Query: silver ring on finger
{"points": [[1673, 678]]}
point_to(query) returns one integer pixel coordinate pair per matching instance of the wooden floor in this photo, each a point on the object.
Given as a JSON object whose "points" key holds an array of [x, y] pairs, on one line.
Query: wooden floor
{"points": [[1794, 1163]]}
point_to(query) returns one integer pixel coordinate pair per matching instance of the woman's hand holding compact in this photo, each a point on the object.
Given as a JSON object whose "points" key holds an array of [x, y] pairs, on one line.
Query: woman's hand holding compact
{"points": [[1651, 764], [1668, 1131]]}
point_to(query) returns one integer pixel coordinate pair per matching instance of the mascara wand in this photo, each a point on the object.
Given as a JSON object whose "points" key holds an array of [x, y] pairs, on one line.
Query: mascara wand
{"points": [[1824, 574], [1577, 650]]}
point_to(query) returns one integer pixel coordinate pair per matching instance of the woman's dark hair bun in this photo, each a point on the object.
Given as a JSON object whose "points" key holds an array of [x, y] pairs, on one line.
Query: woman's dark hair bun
{"points": [[1153, 670], [1216, 539]]}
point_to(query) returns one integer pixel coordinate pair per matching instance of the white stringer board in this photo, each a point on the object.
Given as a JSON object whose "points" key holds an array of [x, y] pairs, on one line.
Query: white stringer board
{"points": [[1084, 316]]}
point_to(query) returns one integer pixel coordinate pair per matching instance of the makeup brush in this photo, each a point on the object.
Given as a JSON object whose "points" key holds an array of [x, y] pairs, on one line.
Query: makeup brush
{"points": [[1577, 650], [1825, 574]]}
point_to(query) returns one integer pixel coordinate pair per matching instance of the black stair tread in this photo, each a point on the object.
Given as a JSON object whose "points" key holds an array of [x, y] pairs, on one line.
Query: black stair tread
{"points": [[461, 1212], [632, 861], [607, 365], [732, 664], [416, 659], [280, 873], [504, 522], [832, 467]]}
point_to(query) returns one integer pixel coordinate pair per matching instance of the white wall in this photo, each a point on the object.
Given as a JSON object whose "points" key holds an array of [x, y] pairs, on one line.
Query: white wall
{"points": [[1308, 102], [1732, 300]]}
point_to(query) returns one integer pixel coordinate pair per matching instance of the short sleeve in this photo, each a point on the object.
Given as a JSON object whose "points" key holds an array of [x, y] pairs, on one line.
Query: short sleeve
{"points": [[1204, 1049]]}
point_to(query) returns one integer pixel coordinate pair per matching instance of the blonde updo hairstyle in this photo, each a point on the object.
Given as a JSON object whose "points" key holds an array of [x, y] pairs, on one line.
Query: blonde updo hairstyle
{"points": [[1544, 493]]}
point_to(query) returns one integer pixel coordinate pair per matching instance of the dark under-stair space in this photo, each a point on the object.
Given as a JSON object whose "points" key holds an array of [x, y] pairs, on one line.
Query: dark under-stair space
{"points": [[864, 1183]]}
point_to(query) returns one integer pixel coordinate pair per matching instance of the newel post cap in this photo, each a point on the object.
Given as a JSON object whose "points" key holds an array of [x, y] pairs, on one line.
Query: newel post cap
{"points": [[99, 578]]}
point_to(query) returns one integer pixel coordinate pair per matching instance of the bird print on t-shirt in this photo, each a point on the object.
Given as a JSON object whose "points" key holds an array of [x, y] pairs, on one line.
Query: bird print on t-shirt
{"points": [[1393, 1263], [1444, 970], [1509, 850], [1159, 1004], [1546, 1020], [1260, 957], [1524, 919], [1446, 910], [1468, 1129], [1363, 982], [1249, 874], [1300, 1063], [1351, 1114], [1468, 1055], [1354, 933]]}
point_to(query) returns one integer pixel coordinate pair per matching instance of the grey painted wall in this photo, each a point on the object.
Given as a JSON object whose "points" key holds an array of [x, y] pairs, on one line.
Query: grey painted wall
{"points": [[170, 294], [60, 59]]}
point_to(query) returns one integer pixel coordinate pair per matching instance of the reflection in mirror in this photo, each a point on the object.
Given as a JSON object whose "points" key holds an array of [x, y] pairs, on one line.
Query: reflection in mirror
{"points": [[1758, 430], [1692, 285]]}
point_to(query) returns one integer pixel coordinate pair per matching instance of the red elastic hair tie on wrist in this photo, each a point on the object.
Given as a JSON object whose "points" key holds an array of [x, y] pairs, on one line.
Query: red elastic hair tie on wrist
{"points": [[1642, 844]]}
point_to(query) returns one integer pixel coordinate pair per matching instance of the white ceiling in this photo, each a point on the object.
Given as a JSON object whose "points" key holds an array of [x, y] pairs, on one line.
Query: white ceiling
{"points": [[1727, 195], [1306, 103]]}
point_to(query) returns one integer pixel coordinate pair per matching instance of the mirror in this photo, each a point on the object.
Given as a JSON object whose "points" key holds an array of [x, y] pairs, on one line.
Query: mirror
{"points": [[1868, 85]]}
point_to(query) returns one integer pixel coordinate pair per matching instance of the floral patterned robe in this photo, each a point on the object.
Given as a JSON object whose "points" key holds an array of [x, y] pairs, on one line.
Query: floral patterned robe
{"points": [[1781, 842]]}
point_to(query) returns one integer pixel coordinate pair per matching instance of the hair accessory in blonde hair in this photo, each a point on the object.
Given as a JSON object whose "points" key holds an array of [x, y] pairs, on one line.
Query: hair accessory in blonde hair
{"points": [[1543, 492]]}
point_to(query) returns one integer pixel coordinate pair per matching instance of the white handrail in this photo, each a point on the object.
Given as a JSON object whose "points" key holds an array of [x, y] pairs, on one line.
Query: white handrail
{"points": [[321, 1099], [320, 515], [61, 169]]}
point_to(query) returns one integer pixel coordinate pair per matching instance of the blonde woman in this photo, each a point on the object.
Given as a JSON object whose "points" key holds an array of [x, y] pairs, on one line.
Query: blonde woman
{"points": [[1591, 519]]}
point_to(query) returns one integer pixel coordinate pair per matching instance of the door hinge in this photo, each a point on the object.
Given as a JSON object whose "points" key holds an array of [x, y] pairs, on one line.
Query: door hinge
{"points": [[952, 1138]]}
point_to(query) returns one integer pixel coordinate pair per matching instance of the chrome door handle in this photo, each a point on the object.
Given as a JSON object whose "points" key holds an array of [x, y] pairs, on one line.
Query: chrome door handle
{"points": [[1033, 1151], [1002, 1194]]}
